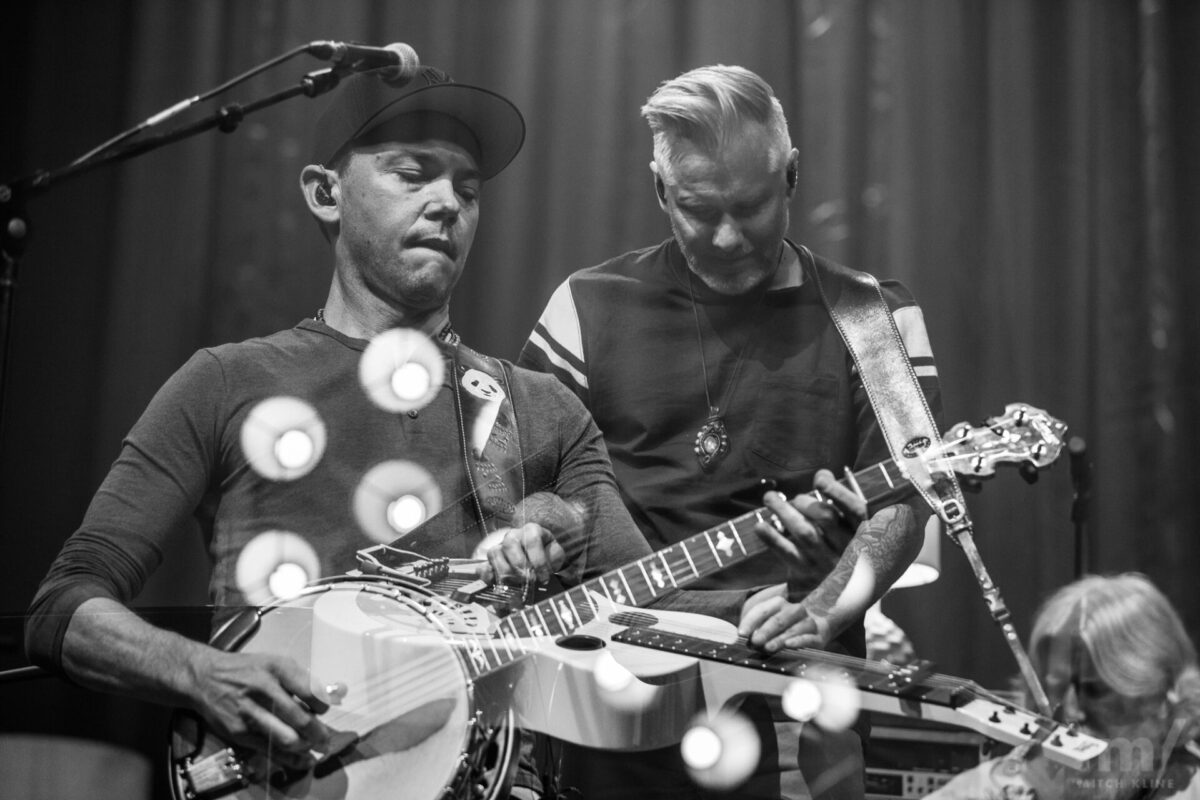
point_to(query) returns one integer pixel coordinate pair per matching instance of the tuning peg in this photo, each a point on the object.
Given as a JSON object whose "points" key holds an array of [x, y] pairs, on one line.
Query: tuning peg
{"points": [[1028, 471]]}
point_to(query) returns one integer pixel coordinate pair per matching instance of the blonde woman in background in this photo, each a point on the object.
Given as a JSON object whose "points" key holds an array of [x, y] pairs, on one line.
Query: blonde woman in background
{"points": [[1115, 660]]}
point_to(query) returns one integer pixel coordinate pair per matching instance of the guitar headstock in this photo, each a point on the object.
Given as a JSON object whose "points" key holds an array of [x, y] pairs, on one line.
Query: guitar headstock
{"points": [[1023, 435], [1020, 728]]}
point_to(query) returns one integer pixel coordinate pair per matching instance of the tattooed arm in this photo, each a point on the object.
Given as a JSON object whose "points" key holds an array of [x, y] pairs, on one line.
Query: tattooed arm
{"points": [[880, 550]]}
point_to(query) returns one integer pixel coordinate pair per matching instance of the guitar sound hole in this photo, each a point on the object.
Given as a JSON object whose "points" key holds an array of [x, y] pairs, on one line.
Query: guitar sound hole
{"points": [[579, 641]]}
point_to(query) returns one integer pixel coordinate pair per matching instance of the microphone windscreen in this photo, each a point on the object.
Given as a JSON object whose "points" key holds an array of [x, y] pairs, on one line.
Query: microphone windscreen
{"points": [[406, 70]]}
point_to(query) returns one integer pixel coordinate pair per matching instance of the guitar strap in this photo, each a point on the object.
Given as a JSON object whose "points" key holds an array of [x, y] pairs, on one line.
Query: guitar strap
{"points": [[491, 443], [867, 326], [491, 451]]}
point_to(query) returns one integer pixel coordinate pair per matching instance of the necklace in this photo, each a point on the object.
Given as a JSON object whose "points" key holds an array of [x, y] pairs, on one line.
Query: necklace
{"points": [[712, 440], [446, 334]]}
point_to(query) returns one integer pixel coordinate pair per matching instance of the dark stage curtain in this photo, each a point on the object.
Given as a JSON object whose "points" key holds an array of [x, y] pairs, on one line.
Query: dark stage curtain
{"points": [[1028, 168]]}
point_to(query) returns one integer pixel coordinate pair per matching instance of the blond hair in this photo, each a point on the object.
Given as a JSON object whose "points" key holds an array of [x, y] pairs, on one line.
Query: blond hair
{"points": [[1131, 634], [711, 105]]}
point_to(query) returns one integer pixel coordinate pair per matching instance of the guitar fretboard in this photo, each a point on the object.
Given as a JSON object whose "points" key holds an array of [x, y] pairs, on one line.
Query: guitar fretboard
{"points": [[915, 680], [650, 577], [913, 690]]}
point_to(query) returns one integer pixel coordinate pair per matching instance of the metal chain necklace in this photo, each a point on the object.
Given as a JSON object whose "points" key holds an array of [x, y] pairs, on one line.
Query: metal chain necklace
{"points": [[712, 440], [446, 334]]}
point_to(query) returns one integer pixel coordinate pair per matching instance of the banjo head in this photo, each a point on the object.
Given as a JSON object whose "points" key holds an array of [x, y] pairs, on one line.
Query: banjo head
{"points": [[405, 723]]}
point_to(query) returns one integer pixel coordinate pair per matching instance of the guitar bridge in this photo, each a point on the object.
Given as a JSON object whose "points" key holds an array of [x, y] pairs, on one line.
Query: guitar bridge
{"points": [[213, 775]]}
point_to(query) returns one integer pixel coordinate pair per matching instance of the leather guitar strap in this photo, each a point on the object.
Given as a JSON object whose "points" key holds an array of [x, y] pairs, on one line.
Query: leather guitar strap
{"points": [[491, 443], [866, 325], [491, 450]]}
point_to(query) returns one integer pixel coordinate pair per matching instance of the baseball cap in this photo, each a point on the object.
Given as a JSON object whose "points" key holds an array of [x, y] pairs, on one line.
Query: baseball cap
{"points": [[365, 101]]}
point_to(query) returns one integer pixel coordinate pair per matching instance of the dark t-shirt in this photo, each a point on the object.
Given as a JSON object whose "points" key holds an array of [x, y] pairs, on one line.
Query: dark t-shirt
{"points": [[624, 336], [184, 460]]}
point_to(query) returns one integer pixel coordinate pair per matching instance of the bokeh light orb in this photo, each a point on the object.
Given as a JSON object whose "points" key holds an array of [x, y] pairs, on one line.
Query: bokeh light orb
{"points": [[401, 370], [283, 438], [394, 498], [275, 565]]}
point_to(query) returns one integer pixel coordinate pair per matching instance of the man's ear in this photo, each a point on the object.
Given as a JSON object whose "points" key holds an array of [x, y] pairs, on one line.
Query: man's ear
{"points": [[321, 192], [660, 188], [793, 172]]}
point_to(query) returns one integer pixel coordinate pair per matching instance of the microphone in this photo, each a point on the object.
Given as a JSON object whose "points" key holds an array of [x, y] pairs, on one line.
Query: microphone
{"points": [[402, 59], [1080, 477]]}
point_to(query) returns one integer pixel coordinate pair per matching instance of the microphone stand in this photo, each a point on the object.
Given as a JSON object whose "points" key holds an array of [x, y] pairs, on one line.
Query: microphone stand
{"points": [[14, 222], [22, 674], [1082, 495]]}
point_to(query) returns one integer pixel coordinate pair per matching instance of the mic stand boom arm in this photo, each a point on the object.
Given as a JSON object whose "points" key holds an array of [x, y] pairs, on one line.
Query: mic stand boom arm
{"points": [[14, 223]]}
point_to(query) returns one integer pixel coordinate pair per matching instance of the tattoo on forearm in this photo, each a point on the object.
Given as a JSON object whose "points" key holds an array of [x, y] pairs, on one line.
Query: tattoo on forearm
{"points": [[881, 545], [883, 542]]}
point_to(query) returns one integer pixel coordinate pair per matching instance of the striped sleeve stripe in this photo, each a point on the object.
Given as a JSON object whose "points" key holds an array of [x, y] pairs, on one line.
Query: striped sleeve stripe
{"points": [[911, 324], [539, 339], [924, 367], [558, 334], [553, 350]]}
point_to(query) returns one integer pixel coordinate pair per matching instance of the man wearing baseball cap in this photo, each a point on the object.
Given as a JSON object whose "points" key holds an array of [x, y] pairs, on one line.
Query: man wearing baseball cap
{"points": [[514, 469]]}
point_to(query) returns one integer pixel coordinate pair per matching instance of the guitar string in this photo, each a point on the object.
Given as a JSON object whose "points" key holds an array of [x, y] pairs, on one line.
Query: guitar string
{"points": [[414, 680], [676, 564], [672, 565], [860, 667], [879, 669], [739, 521], [373, 687], [940, 463]]}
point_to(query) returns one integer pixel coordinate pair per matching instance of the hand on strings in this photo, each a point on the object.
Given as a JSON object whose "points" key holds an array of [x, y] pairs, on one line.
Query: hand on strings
{"points": [[532, 549], [523, 555], [815, 534], [263, 702], [815, 531], [771, 622]]}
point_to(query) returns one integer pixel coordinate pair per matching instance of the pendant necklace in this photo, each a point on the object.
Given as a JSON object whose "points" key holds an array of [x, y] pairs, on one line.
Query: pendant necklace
{"points": [[712, 440]]}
